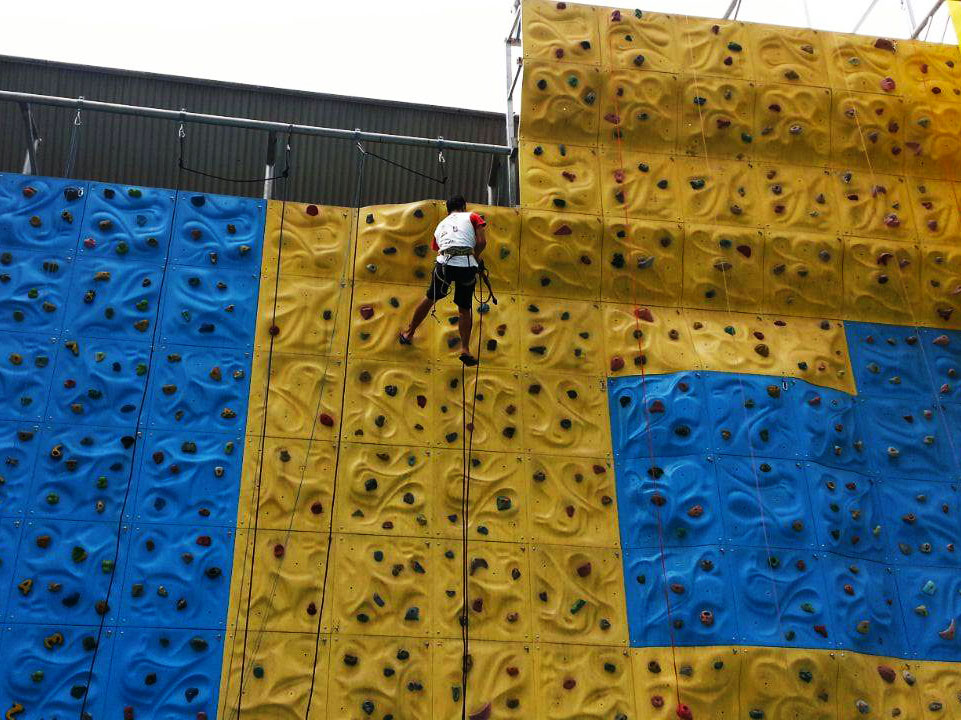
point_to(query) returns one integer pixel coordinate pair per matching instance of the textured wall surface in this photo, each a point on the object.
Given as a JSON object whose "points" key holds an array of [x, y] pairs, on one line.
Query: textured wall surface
{"points": [[714, 433]]}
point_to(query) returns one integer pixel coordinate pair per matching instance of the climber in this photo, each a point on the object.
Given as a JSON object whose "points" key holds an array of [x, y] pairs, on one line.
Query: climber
{"points": [[458, 241]]}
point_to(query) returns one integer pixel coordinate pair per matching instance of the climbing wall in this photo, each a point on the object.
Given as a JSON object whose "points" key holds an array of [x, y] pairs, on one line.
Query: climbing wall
{"points": [[762, 222], [715, 447], [126, 319]]}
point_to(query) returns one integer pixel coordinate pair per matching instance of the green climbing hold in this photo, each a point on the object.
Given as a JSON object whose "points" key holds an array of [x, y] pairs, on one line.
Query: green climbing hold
{"points": [[78, 554], [578, 606]]}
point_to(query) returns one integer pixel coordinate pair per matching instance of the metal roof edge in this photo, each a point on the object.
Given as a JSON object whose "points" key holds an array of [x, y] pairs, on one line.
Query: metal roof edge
{"points": [[306, 94]]}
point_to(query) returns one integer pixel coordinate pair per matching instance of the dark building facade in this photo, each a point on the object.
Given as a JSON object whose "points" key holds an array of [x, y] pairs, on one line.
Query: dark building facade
{"points": [[145, 151]]}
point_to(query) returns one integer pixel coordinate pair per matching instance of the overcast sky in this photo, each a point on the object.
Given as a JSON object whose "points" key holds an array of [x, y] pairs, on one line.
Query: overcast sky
{"points": [[441, 52]]}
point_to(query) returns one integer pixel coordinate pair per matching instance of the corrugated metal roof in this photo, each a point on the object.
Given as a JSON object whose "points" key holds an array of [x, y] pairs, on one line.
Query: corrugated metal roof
{"points": [[144, 151]]}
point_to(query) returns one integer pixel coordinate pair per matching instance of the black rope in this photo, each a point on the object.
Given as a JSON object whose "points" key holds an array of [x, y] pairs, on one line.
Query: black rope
{"points": [[466, 661], [263, 434], [361, 166], [133, 455], [74, 144], [442, 181], [183, 166]]}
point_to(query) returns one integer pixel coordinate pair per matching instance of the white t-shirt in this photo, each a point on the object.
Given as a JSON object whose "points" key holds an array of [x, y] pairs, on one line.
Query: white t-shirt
{"points": [[457, 230]]}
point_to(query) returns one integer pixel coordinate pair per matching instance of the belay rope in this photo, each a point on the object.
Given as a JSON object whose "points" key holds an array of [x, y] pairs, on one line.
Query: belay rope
{"points": [[467, 443]]}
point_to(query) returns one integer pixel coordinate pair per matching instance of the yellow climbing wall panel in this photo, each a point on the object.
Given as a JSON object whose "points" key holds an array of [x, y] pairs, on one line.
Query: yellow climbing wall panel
{"points": [[695, 195], [798, 136]]}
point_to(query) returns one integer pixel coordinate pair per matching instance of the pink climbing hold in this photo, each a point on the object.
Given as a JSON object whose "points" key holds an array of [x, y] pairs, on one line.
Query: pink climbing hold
{"points": [[887, 84], [613, 118], [948, 632], [941, 340], [684, 712], [615, 16], [891, 220], [657, 701], [618, 176]]}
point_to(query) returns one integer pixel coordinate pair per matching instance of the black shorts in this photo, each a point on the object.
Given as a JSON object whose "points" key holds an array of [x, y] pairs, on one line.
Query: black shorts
{"points": [[463, 280]]}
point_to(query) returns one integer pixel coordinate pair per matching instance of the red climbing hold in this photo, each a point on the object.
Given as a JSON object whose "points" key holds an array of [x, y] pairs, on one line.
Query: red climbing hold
{"points": [[312, 210], [707, 618], [617, 363], [815, 401], [887, 84], [948, 632], [644, 314], [326, 420], [278, 550], [821, 630], [696, 511], [684, 712], [513, 671], [615, 16], [274, 331], [745, 250], [563, 230], [569, 176], [613, 119], [128, 713], [656, 407], [657, 701], [887, 673], [599, 469], [421, 401], [941, 340], [203, 541], [570, 683], [658, 499], [367, 311], [848, 589], [885, 44], [584, 570], [317, 508]]}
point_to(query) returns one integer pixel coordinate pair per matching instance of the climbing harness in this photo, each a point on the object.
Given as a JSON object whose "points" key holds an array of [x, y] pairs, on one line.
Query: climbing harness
{"points": [[74, 140], [105, 603]]}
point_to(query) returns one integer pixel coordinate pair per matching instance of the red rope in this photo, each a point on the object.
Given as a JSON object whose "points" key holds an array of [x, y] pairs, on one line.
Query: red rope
{"points": [[682, 709]]}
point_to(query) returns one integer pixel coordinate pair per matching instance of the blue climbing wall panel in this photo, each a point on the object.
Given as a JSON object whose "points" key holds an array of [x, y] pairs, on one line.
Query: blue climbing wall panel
{"points": [[126, 331], [794, 515]]}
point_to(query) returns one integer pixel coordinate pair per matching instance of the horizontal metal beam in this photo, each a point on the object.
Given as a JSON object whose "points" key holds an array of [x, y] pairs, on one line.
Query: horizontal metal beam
{"points": [[251, 124], [927, 18]]}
